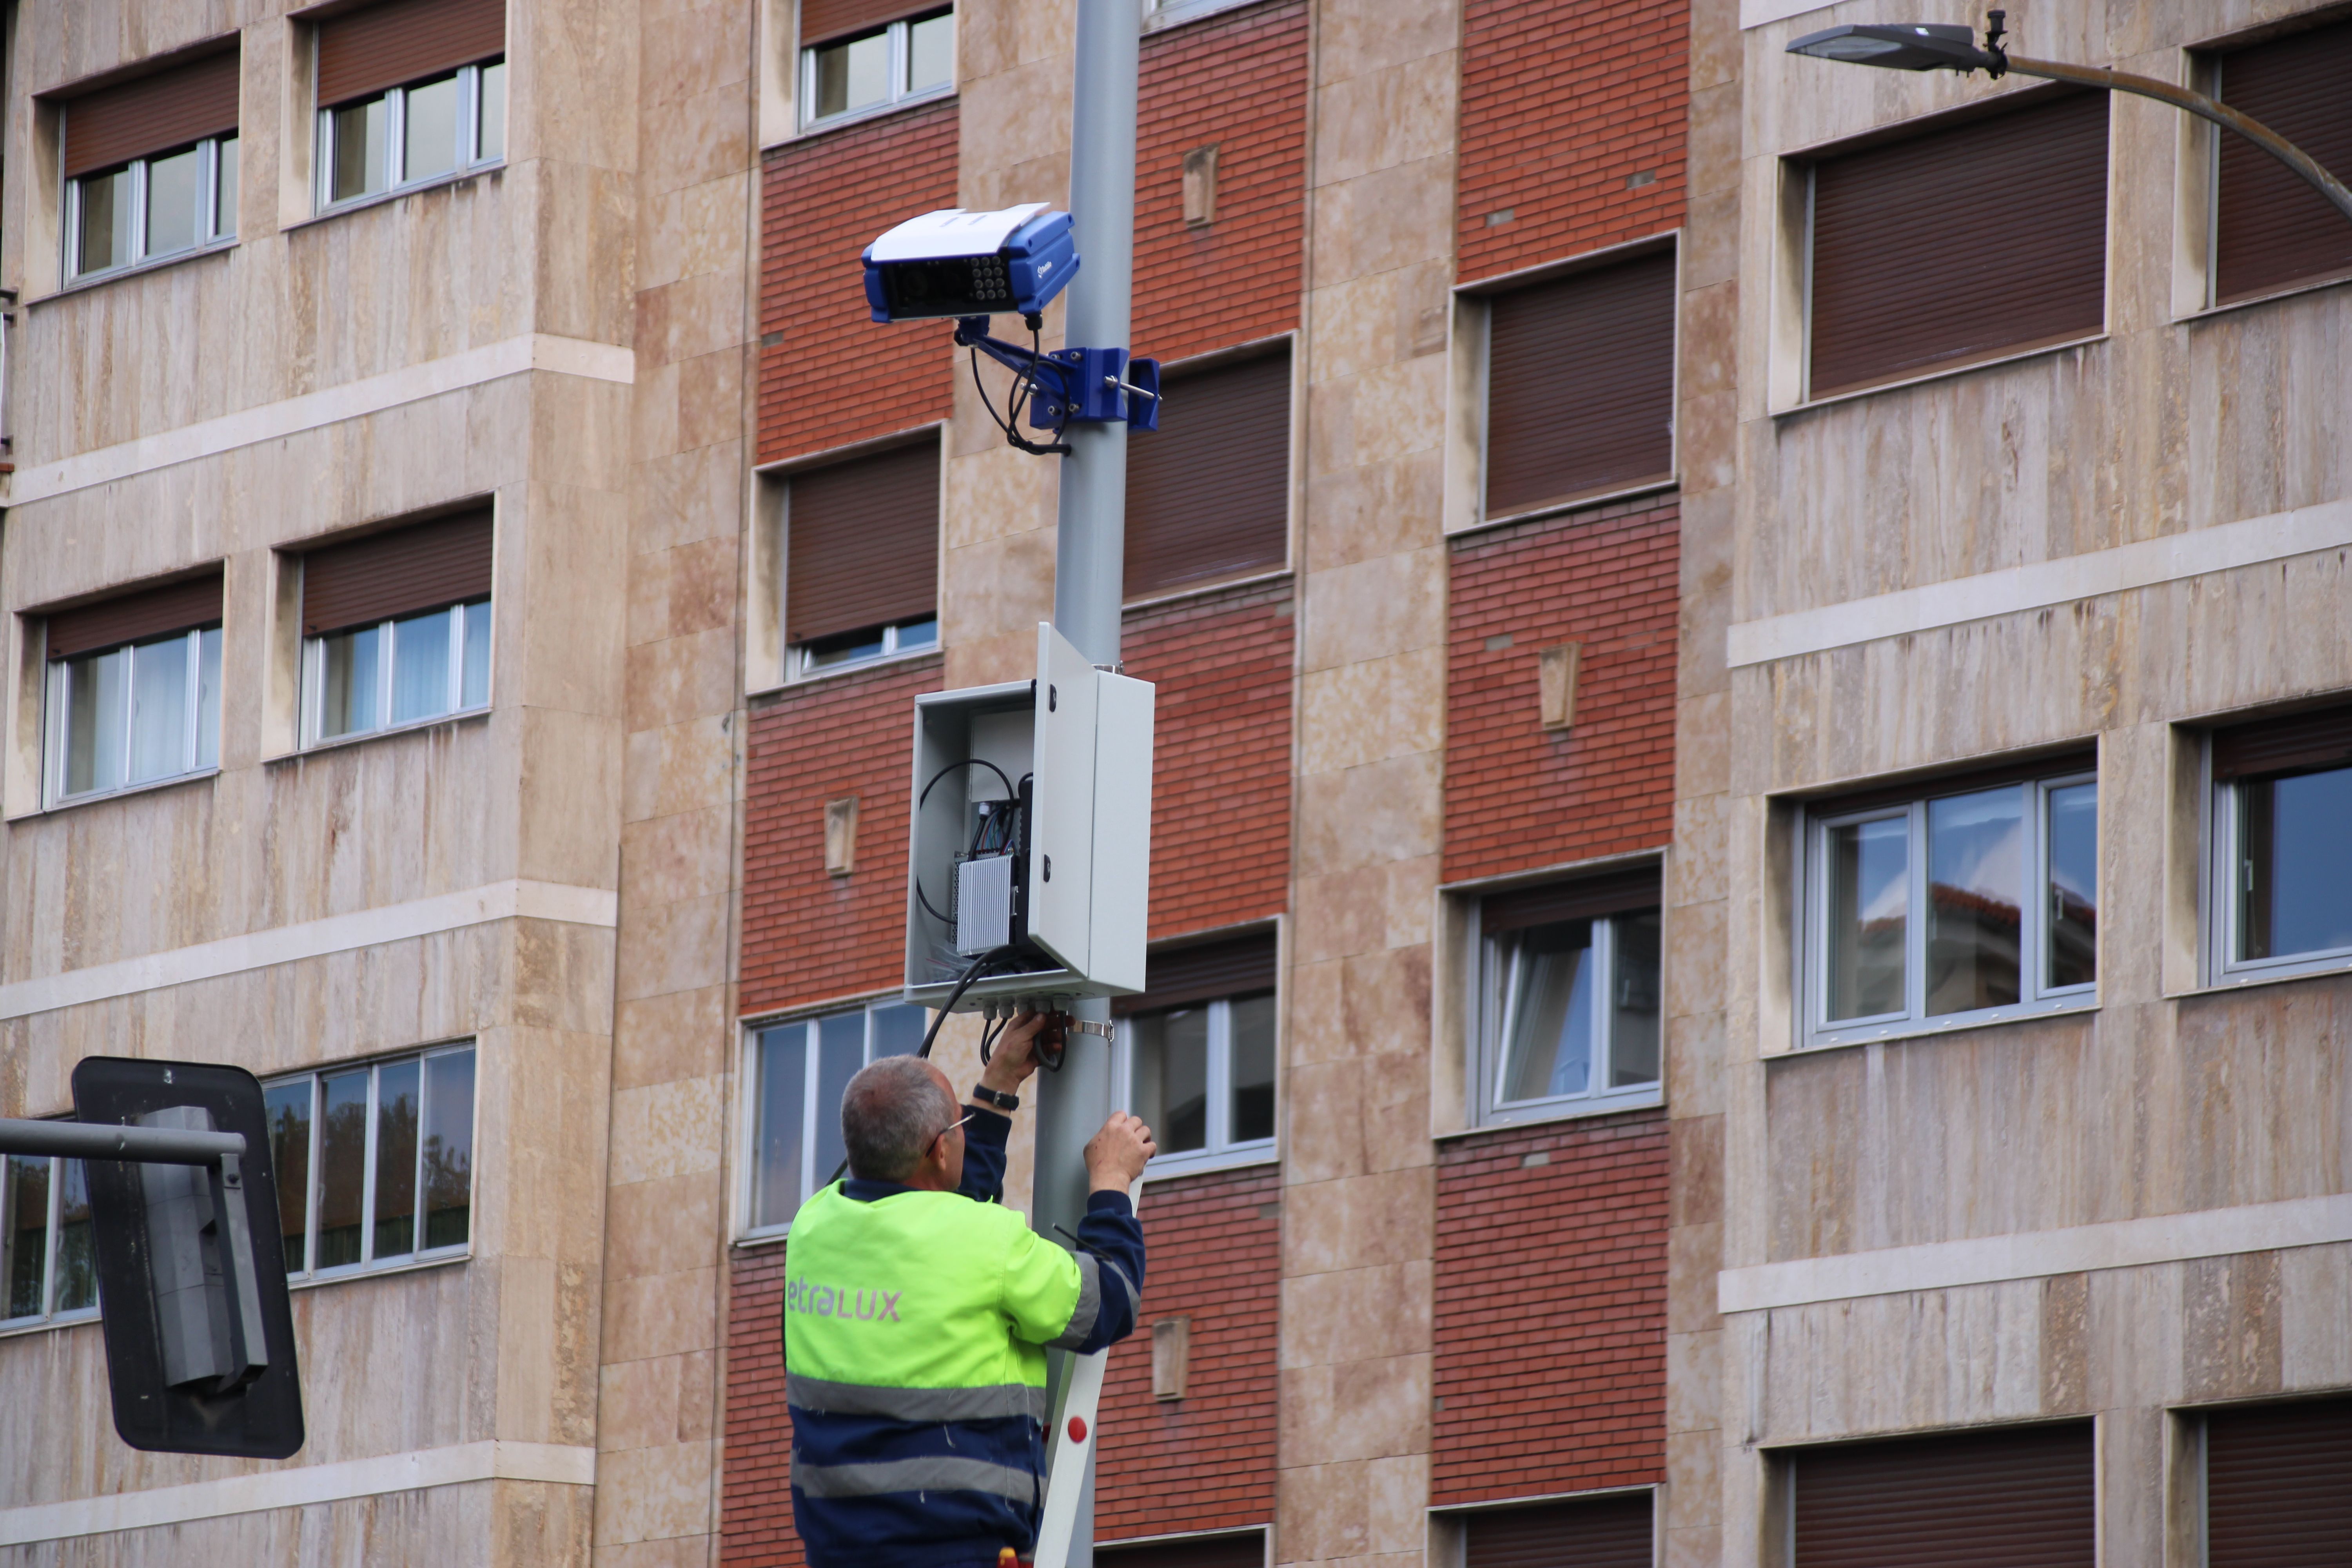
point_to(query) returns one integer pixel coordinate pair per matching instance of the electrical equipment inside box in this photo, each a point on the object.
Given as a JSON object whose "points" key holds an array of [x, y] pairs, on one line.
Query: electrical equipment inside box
{"points": [[1028, 868]]}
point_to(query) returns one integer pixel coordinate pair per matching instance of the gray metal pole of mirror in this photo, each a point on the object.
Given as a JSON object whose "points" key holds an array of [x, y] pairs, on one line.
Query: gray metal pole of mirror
{"points": [[1089, 563]]}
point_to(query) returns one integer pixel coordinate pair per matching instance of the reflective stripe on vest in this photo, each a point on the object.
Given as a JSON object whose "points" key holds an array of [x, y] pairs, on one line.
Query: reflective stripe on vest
{"points": [[991, 1403], [931, 1473]]}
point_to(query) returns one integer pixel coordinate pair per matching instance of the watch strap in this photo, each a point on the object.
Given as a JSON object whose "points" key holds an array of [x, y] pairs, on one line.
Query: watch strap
{"points": [[988, 1096]]}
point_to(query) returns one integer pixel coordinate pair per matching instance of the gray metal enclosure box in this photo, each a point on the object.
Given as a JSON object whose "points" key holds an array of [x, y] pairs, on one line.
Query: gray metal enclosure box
{"points": [[1083, 737]]}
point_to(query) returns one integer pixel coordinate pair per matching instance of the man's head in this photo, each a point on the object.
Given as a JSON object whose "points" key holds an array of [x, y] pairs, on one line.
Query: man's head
{"points": [[892, 1114]]}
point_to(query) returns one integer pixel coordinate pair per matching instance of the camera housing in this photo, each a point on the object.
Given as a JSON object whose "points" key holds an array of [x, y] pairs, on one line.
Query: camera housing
{"points": [[956, 262]]}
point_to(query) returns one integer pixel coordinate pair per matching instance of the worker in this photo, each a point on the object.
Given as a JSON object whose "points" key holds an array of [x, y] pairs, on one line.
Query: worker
{"points": [[917, 1311]]}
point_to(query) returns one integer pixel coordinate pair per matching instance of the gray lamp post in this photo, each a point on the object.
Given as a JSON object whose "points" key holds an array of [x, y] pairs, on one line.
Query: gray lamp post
{"points": [[1918, 46]]}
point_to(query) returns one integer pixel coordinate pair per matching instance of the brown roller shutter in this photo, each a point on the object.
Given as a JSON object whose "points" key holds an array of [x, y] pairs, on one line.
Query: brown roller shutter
{"points": [[2278, 1485], [1580, 384], [1207, 494], [1203, 973], [2271, 229], [2018, 1498], [1210, 1552], [863, 543], [149, 613], [1588, 899], [1597, 1532], [1979, 238], [385, 574], [2281, 745], [362, 52], [826, 19], [151, 113]]}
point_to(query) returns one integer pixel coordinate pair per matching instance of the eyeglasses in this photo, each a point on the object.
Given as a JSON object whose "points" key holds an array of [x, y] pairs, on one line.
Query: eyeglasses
{"points": [[945, 1131]]}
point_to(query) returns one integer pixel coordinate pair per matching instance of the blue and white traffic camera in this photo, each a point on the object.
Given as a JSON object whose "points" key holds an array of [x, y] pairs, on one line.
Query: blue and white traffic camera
{"points": [[959, 263]]}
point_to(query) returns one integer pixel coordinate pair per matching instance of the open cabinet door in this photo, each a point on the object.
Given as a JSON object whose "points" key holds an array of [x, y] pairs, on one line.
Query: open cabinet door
{"points": [[1062, 819]]}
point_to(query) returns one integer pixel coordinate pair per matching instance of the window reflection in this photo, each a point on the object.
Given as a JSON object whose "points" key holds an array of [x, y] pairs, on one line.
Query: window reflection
{"points": [[2295, 881], [2073, 884], [1547, 1036], [24, 1185], [447, 1173], [1976, 874], [1253, 1072], [75, 1286], [288, 1106], [1869, 909], [396, 1159], [342, 1168]]}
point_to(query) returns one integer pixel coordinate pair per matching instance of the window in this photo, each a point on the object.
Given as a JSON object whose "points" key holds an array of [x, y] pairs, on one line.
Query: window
{"points": [[1992, 1500], [854, 61], [2271, 231], [1612, 1532], [1207, 494], [374, 1162], [409, 92], [133, 690], [861, 559], [1580, 386], [2278, 1482], [798, 1072], [1961, 907], [1196, 1053], [1898, 286], [151, 167], [1570, 1011], [2283, 804], [47, 1264], [396, 628], [1225, 1549]]}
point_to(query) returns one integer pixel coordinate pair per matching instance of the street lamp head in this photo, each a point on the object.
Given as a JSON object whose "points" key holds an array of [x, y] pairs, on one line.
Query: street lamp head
{"points": [[1911, 47]]}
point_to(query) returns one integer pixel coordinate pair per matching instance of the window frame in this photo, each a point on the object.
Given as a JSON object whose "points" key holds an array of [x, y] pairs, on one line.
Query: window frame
{"points": [[2035, 999], [2224, 823], [1219, 1150], [799, 664], [901, 62], [747, 1232], [56, 686], [470, 159], [49, 1316], [211, 236], [1490, 1011], [314, 674], [421, 1256]]}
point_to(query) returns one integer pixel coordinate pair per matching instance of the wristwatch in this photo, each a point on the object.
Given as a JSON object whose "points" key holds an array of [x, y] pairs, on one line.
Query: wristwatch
{"points": [[987, 1096]]}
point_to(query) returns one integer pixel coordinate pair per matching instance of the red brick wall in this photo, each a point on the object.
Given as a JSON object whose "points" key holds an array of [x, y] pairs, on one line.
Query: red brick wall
{"points": [[1517, 796], [1551, 1309], [1221, 759], [809, 937], [1562, 102], [1238, 80], [1213, 1253], [837, 377], [755, 1519]]}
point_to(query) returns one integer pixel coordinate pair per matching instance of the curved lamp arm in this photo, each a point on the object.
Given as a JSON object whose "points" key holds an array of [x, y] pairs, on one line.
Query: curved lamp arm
{"points": [[2198, 104]]}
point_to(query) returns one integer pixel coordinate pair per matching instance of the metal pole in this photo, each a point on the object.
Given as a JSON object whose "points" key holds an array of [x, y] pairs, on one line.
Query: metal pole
{"points": [[93, 1141], [1090, 552]]}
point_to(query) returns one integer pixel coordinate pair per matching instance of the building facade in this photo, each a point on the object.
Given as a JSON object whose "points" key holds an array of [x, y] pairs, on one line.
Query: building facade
{"points": [[1682, 583]]}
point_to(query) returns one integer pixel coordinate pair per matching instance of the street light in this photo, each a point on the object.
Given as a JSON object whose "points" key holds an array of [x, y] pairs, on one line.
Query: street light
{"points": [[1933, 46]]}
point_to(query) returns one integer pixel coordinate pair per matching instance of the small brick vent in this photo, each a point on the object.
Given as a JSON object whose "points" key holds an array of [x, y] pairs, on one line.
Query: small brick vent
{"points": [[1606, 579], [808, 936], [1221, 762], [1550, 1314], [1573, 126], [1213, 1254], [832, 377]]}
